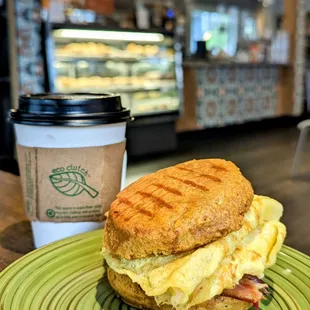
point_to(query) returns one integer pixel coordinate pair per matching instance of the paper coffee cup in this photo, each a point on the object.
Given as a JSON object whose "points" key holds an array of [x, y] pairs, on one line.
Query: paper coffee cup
{"points": [[71, 152]]}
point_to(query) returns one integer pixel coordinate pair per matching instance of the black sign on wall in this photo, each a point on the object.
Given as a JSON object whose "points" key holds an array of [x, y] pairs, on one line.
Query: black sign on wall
{"points": [[4, 68], [7, 161]]}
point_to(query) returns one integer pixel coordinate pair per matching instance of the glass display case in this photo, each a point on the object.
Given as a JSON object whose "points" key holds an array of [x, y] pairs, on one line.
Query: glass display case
{"points": [[141, 66]]}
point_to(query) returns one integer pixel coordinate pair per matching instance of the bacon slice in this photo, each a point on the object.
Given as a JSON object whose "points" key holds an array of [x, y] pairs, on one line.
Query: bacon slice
{"points": [[249, 289]]}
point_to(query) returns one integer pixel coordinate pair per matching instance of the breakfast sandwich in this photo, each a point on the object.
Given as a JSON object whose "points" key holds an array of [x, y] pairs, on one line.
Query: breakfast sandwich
{"points": [[192, 236]]}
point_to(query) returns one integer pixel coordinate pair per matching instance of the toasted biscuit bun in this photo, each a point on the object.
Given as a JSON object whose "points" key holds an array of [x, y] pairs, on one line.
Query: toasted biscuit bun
{"points": [[178, 209], [133, 295]]}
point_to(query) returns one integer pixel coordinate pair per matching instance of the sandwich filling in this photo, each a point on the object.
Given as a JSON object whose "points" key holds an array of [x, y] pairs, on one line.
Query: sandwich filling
{"points": [[187, 279], [248, 289]]}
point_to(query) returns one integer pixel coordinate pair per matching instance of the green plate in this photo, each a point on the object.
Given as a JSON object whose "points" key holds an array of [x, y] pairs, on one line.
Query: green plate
{"points": [[69, 275]]}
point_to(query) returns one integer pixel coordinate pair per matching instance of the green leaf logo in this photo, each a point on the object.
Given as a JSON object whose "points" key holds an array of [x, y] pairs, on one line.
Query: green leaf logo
{"points": [[71, 184]]}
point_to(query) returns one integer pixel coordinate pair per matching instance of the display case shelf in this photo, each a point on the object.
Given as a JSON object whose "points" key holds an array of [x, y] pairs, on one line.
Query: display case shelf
{"points": [[72, 58], [117, 90], [141, 67]]}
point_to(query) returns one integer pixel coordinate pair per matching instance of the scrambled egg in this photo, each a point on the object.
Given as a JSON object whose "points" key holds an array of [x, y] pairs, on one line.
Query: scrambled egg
{"points": [[191, 278]]}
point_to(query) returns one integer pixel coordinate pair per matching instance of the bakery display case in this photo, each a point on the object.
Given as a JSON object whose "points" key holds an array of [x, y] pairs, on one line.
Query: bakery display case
{"points": [[141, 66], [144, 67]]}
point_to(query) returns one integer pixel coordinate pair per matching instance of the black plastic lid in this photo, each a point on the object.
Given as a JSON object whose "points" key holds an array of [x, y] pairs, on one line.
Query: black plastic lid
{"points": [[77, 109]]}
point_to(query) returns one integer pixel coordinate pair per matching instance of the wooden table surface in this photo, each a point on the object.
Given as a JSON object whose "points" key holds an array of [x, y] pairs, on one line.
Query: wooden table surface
{"points": [[15, 230]]}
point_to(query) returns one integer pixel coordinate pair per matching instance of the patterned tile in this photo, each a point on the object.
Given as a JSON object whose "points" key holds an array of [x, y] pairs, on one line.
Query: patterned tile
{"points": [[299, 58], [212, 91], [28, 38], [209, 111], [241, 94], [231, 109], [250, 107]]}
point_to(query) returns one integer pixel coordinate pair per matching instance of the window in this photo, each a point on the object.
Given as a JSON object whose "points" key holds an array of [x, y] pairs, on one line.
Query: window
{"points": [[221, 28]]}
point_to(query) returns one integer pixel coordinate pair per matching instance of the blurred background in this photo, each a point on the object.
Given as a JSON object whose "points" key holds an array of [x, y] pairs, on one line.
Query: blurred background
{"points": [[208, 78]]}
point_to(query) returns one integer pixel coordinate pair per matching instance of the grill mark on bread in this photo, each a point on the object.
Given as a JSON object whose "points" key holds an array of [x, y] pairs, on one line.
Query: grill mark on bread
{"points": [[168, 189], [132, 188], [145, 212], [131, 204], [220, 168], [125, 201], [204, 175], [190, 183], [155, 199], [142, 211], [151, 196]]}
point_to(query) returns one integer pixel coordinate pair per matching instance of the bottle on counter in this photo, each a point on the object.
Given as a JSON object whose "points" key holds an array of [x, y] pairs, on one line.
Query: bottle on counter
{"points": [[142, 15]]}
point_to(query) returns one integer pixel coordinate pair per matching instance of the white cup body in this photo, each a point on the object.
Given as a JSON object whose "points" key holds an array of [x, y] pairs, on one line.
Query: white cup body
{"points": [[68, 137]]}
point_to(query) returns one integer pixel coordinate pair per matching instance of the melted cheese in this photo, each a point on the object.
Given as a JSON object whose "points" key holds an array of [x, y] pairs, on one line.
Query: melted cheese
{"points": [[191, 278]]}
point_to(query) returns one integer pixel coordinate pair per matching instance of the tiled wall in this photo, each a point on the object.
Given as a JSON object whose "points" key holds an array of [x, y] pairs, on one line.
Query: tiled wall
{"points": [[30, 55], [228, 95], [299, 63]]}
